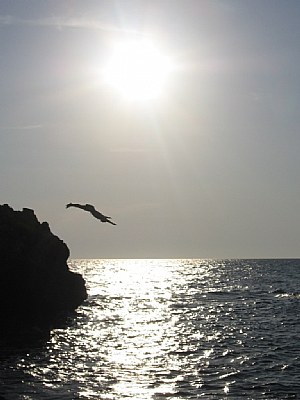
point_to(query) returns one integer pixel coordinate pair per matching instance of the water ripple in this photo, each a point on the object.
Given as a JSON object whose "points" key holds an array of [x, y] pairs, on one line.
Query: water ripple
{"points": [[171, 329]]}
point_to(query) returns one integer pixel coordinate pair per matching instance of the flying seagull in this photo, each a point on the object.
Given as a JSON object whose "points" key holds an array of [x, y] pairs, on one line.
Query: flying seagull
{"points": [[93, 211]]}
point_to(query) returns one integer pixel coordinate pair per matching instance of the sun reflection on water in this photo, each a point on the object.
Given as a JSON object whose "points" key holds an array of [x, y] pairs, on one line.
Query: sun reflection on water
{"points": [[148, 323], [135, 297]]}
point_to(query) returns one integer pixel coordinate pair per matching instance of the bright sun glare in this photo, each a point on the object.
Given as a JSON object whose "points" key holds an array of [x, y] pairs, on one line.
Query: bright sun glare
{"points": [[138, 70]]}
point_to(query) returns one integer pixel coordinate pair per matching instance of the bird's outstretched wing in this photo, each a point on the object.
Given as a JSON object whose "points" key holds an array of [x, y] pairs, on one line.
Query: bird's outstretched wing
{"points": [[90, 208]]}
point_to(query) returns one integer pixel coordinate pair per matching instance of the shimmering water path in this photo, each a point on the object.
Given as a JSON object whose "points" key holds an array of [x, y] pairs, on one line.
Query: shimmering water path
{"points": [[171, 329]]}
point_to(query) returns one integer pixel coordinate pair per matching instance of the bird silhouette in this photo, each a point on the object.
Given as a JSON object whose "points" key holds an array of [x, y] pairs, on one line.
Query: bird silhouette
{"points": [[90, 208]]}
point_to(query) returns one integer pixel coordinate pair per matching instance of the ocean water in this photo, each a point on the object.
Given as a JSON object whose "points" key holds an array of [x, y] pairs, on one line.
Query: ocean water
{"points": [[170, 329]]}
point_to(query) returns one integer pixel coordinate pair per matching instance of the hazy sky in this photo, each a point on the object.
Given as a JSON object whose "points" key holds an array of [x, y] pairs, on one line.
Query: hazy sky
{"points": [[209, 169]]}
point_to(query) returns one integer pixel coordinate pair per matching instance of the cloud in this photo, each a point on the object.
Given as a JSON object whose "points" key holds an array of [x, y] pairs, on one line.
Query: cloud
{"points": [[21, 127], [6, 20], [128, 150], [58, 22]]}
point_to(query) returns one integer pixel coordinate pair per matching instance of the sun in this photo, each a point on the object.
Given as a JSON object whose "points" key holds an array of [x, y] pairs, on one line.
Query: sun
{"points": [[138, 70]]}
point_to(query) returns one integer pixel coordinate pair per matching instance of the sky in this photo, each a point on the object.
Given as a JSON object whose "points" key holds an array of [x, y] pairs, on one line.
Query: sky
{"points": [[208, 169]]}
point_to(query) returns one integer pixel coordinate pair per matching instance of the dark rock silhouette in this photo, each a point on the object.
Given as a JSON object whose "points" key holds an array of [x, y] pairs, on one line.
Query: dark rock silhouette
{"points": [[37, 289], [90, 208]]}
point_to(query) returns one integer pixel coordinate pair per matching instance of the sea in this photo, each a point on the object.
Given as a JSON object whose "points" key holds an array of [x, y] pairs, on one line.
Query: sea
{"points": [[170, 329]]}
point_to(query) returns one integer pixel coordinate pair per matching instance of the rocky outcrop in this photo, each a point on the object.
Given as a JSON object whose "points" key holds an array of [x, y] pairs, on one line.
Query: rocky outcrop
{"points": [[37, 289]]}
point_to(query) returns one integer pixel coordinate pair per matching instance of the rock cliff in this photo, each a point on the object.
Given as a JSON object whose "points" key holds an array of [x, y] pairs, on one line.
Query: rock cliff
{"points": [[37, 289]]}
